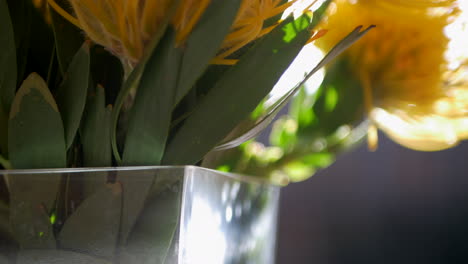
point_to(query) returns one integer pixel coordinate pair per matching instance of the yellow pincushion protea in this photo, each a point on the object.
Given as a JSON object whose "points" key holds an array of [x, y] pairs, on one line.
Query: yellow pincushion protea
{"points": [[413, 91], [125, 27]]}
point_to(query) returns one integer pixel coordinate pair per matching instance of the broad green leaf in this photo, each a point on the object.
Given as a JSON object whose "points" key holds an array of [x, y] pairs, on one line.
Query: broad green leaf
{"points": [[32, 197], [7, 58], [132, 79], [3, 132], [136, 188], [95, 140], [95, 131], [270, 113], [237, 93], [71, 95], [41, 51], [21, 17], [68, 38], [151, 113], [204, 42], [152, 236], [94, 227], [35, 127], [56, 256]]}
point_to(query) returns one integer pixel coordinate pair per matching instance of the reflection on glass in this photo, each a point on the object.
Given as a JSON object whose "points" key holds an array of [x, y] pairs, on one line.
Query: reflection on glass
{"points": [[227, 220]]}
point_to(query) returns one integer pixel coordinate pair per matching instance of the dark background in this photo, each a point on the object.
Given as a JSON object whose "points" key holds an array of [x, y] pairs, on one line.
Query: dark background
{"points": [[391, 206]]}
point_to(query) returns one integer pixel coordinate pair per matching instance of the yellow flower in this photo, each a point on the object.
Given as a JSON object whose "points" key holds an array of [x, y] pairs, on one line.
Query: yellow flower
{"points": [[125, 27], [414, 91], [249, 25]]}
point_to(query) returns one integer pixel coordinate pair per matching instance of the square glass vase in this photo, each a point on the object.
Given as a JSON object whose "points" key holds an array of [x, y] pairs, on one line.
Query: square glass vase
{"points": [[136, 215]]}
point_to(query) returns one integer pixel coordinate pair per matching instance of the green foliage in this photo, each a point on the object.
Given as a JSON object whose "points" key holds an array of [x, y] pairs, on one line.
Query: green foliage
{"points": [[283, 133], [21, 20], [7, 59], [316, 129], [95, 131], [204, 42], [68, 38], [226, 104], [340, 100], [150, 117], [248, 129], [132, 79], [7, 73], [84, 232], [35, 128], [71, 95], [156, 229]]}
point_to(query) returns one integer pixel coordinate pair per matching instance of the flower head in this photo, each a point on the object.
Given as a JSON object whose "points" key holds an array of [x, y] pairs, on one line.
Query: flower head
{"points": [[125, 27], [413, 91], [249, 25]]}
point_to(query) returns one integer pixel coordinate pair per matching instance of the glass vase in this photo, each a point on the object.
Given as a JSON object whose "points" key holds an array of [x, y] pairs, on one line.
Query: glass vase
{"points": [[136, 215]]}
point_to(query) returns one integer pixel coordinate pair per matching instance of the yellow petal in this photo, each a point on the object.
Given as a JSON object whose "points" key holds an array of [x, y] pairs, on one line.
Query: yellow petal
{"points": [[425, 133]]}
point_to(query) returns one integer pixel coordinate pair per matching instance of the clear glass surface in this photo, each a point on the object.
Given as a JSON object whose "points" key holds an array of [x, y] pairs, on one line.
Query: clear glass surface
{"points": [[136, 215]]}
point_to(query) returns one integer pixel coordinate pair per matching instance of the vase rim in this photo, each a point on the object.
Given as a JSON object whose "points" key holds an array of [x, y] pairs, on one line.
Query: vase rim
{"points": [[240, 177]]}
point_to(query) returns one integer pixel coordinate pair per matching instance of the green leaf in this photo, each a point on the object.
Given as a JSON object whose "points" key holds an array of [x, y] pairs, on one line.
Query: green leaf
{"points": [[93, 228], [136, 187], [7, 58], [132, 79], [32, 197], [41, 51], [341, 100], [3, 132], [150, 116], [56, 256], [95, 140], [95, 131], [235, 95], [71, 95], [252, 131], [68, 38], [152, 235], [36, 132], [204, 42], [21, 17]]}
